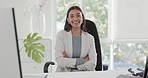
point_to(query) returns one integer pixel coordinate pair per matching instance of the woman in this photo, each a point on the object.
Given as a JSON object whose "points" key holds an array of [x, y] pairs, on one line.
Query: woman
{"points": [[75, 48]]}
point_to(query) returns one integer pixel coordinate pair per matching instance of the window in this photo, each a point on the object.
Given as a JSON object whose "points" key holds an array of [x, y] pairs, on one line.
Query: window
{"points": [[130, 54], [98, 12]]}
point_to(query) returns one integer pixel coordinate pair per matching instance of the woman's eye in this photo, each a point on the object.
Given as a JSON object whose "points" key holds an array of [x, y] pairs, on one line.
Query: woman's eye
{"points": [[78, 15], [71, 16]]}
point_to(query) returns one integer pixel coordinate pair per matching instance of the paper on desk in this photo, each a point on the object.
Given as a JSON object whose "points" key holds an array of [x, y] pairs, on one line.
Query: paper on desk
{"points": [[127, 76]]}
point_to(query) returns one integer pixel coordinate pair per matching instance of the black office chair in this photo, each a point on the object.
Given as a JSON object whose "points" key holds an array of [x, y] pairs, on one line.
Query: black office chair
{"points": [[47, 64], [91, 27]]}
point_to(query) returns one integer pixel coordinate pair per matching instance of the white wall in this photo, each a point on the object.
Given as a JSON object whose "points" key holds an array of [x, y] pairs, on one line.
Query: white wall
{"points": [[131, 19], [23, 23], [8, 47]]}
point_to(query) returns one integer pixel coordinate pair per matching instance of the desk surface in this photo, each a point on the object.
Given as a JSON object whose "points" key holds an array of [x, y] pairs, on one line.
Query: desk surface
{"points": [[86, 74], [89, 74]]}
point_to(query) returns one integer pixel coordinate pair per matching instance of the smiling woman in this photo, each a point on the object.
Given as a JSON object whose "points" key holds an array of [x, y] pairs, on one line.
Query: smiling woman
{"points": [[70, 56], [74, 15]]}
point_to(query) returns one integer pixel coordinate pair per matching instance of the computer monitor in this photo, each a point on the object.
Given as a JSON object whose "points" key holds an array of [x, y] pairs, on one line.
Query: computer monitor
{"points": [[146, 69], [9, 51]]}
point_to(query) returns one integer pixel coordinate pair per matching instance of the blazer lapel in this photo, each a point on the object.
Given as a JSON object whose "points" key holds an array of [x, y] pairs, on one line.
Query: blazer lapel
{"points": [[69, 36], [83, 44]]}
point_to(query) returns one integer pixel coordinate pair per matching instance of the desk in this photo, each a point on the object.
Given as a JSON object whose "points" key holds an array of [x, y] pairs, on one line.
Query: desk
{"points": [[86, 74], [89, 74]]}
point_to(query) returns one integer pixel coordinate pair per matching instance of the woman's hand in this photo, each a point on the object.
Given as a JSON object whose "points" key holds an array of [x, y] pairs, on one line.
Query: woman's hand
{"points": [[65, 55], [86, 58]]}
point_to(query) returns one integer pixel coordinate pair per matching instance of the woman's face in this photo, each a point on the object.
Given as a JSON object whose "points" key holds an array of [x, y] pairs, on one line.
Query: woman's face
{"points": [[75, 18]]}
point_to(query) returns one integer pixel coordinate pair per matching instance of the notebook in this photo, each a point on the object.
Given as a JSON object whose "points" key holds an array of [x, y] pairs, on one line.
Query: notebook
{"points": [[10, 65]]}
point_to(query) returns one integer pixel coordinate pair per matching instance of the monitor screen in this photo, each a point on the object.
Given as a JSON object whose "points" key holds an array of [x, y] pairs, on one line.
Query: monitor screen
{"points": [[9, 57], [146, 69]]}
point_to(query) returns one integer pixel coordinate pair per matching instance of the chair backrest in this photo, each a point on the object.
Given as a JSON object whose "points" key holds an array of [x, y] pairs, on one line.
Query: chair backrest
{"points": [[91, 27]]}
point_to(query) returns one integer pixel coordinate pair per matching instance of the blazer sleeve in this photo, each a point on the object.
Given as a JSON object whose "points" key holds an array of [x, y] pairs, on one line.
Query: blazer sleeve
{"points": [[91, 64], [59, 49]]}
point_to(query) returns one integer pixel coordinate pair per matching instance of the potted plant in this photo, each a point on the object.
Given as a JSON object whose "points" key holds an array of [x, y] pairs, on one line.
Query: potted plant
{"points": [[33, 47]]}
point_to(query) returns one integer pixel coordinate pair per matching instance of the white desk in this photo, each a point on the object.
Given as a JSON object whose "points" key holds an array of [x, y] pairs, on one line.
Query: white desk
{"points": [[86, 74], [89, 74]]}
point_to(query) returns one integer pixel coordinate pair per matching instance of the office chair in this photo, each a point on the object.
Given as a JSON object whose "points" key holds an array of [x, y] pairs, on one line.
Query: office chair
{"points": [[47, 64], [91, 28]]}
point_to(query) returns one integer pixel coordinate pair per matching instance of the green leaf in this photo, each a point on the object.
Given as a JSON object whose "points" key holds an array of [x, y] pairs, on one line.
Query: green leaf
{"points": [[37, 38], [34, 35], [34, 49], [33, 57], [29, 52], [41, 47], [28, 40], [41, 54]]}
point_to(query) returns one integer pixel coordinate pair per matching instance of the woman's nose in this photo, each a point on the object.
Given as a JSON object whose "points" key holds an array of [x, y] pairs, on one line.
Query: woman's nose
{"points": [[75, 18]]}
